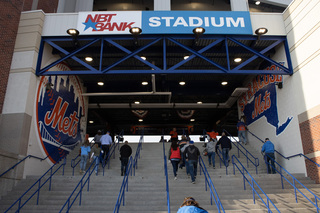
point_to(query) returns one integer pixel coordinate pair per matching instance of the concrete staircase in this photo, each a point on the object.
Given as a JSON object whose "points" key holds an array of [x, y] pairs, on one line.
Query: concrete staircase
{"points": [[147, 189]]}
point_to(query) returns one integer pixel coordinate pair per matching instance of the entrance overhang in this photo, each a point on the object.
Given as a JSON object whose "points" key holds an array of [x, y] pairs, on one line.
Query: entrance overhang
{"points": [[209, 54]]}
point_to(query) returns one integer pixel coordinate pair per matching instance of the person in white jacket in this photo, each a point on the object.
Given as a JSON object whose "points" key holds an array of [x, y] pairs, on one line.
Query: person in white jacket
{"points": [[211, 146]]}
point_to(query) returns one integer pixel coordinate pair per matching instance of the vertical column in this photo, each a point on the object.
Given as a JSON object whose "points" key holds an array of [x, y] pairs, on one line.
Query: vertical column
{"points": [[18, 108], [162, 5], [239, 5]]}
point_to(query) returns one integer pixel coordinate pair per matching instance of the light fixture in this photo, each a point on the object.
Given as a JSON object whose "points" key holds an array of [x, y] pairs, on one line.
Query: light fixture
{"points": [[144, 83], [73, 32], [237, 60], [192, 119], [198, 31], [143, 57], [261, 31], [224, 83], [257, 2], [140, 120], [135, 31], [137, 102], [186, 57], [91, 122], [100, 83], [88, 59], [199, 102], [182, 83]]}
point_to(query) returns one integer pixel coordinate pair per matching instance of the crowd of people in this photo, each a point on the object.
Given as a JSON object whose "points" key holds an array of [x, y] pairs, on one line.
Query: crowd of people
{"points": [[100, 150]]}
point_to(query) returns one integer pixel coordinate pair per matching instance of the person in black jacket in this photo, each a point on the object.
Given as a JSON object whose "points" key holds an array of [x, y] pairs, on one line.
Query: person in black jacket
{"points": [[191, 155], [226, 147], [125, 152]]}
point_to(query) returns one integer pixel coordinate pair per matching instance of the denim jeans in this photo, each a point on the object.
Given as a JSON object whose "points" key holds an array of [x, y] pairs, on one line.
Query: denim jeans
{"points": [[96, 158], [187, 167], [242, 136], [270, 160], [124, 163], [83, 162], [225, 156], [193, 169], [175, 164], [211, 157]]}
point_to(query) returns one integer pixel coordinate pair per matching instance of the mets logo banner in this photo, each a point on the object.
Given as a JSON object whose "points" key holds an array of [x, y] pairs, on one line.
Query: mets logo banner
{"points": [[59, 109], [261, 100]]}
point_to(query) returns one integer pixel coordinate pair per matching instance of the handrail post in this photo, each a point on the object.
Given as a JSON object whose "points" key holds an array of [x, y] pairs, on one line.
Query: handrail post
{"points": [[80, 196], [50, 179], [247, 158], [281, 177], [254, 199], [38, 192], [295, 191], [316, 200]]}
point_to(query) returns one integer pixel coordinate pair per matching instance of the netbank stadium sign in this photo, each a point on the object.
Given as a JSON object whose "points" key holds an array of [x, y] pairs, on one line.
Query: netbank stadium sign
{"points": [[261, 101], [164, 22], [59, 109]]}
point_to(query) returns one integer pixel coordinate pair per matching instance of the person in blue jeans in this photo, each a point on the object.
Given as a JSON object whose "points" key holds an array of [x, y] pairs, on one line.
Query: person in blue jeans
{"points": [[85, 150], [226, 147], [211, 151], [95, 155], [268, 150], [191, 154]]}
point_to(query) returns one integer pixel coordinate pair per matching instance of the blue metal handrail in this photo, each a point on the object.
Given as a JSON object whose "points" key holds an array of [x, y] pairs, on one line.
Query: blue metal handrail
{"points": [[79, 186], [137, 155], [32, 156], [166, 174], [293, 184], [133, 164], [253, 183], [256, 160], [124, 187], [287, 158], [208, 182], [40, 185]]}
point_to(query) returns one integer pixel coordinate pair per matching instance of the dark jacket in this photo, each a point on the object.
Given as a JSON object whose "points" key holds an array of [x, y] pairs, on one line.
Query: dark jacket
{"points": [[191, 153], [225, 143], [125, 151]]}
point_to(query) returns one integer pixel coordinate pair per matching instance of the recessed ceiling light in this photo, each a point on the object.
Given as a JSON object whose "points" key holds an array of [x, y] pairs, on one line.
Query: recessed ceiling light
{"points": [[257, 2], [199, 102], [182, 83], [224, 83], [237, 60], [140, 120], [186, 57], [91, 122], [143, 57], [144, 83], [137, 102], [192, 119], [100, 83], [88, 59]]}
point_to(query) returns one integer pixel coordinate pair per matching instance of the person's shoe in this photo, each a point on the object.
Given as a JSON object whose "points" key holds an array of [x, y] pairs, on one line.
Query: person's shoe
{"points": [[96, 172], [214, 167], [193, 182], [175, 178], [121, 173], [188, 176]]}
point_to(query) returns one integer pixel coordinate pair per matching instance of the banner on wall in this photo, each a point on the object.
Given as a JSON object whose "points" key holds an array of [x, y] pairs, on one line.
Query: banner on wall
{"points": [[261, 101], [59, 109], [164, 22]]}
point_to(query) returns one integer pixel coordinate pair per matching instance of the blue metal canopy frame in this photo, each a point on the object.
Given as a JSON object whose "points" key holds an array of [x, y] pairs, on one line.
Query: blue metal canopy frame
{"points": [[150, 40]]}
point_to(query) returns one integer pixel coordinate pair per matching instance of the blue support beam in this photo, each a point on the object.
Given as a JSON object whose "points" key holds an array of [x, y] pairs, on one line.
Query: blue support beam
{"points": [[123, 49]]}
